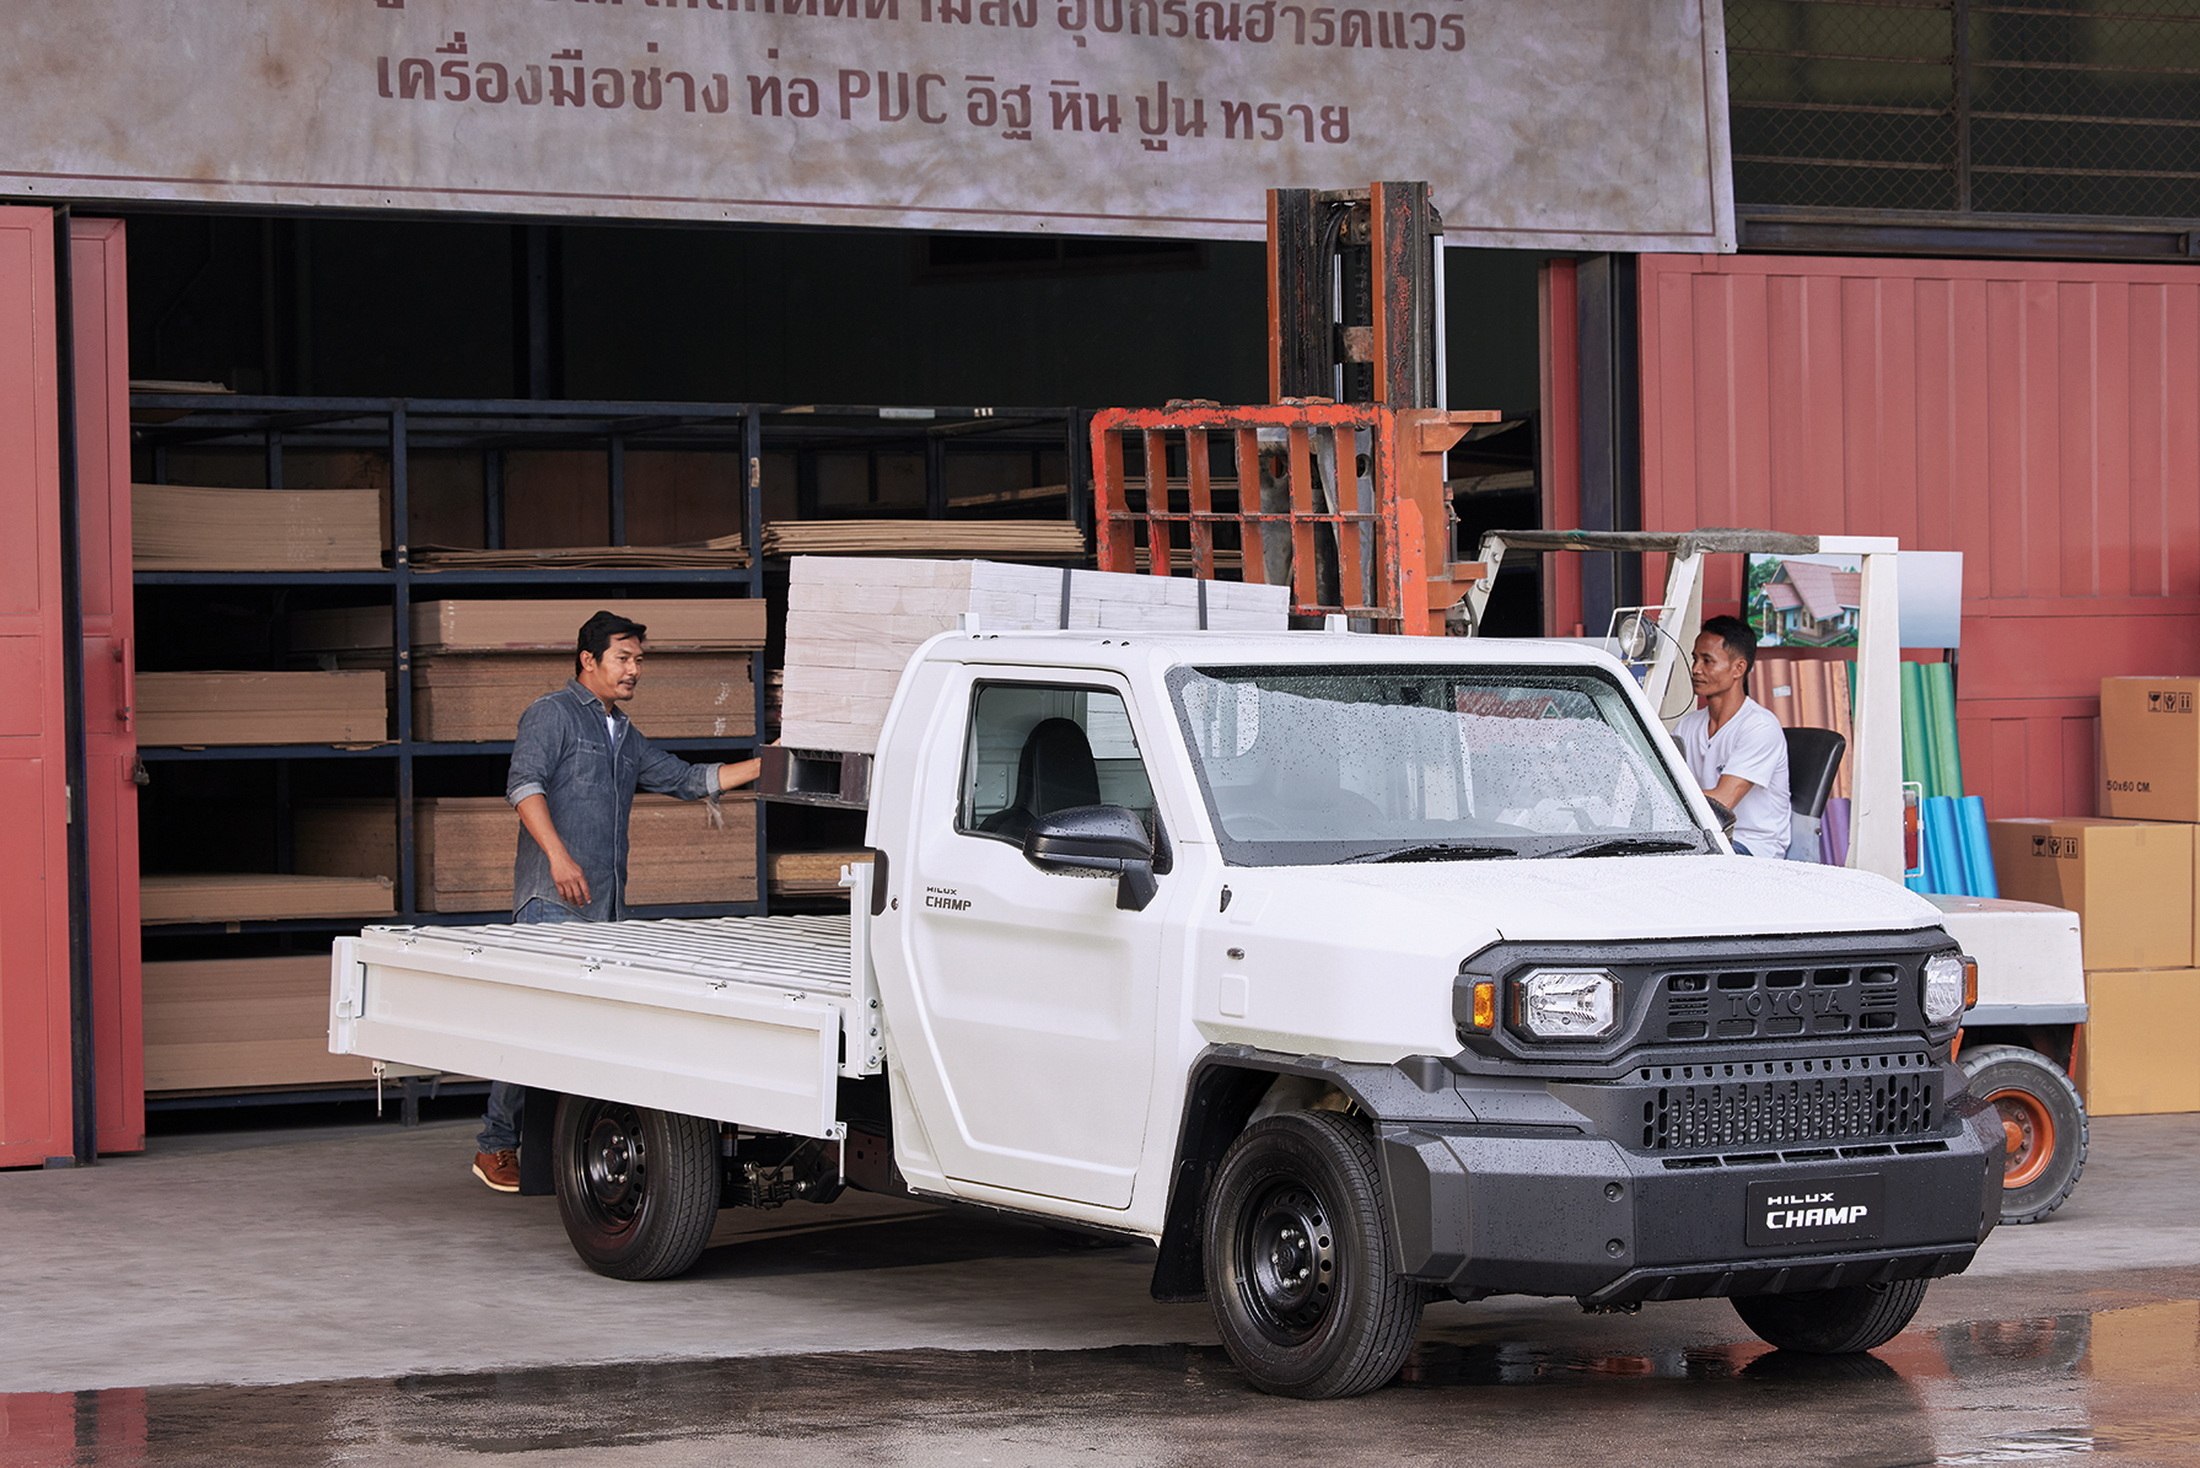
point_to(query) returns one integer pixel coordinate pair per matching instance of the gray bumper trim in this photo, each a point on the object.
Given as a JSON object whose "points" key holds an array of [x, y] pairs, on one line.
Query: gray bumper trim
{"points": [[2025, 1014]]}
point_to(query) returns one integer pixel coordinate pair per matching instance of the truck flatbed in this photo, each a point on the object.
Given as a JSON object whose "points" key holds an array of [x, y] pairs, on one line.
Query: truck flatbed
{"points": [[740, 1019]]}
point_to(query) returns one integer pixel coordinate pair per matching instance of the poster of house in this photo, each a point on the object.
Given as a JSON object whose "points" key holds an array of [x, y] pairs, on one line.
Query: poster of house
{"points": [[1804, 601]]}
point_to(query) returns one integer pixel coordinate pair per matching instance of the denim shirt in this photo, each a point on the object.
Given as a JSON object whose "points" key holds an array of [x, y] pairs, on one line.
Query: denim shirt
{"points": [[565, 753]]}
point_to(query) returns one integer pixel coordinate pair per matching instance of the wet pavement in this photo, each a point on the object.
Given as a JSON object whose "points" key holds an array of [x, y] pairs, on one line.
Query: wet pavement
{"points": [[870, 1332]]}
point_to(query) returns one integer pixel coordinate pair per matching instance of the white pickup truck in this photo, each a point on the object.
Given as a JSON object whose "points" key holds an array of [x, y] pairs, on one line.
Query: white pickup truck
{"points": [[1352, 971]]}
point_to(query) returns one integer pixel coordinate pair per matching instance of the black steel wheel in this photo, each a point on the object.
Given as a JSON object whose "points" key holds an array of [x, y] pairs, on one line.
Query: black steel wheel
{"points": [[1833, 1322], [2042, 1122], [637, 1188], [1305, 1292]]}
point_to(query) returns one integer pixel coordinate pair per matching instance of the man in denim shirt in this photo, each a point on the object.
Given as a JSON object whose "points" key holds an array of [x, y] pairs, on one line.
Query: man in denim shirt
{"points": [[576, 764]]}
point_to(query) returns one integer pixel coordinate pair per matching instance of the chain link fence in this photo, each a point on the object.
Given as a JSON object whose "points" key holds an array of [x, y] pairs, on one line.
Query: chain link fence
{"points": [[2071, 107]]}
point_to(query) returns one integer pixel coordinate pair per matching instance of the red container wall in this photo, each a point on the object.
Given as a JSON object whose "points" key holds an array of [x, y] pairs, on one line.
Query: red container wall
{"points": [[34, 946], [102, 339], [2044, 419]]}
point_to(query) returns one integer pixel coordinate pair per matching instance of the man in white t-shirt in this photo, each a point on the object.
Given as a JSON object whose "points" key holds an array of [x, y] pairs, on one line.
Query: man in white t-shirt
{"points": [[1734, 746]]}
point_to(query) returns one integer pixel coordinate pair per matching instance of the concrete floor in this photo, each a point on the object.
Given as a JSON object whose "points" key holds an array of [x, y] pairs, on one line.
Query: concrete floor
{"points": [[353, 1296]]}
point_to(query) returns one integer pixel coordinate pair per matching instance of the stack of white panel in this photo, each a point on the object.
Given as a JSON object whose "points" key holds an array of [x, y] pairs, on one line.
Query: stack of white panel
{"points": [[853, 622]]}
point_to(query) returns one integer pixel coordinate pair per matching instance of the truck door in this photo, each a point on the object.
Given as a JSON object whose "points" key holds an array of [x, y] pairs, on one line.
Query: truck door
{"points": [[1037, 994]]}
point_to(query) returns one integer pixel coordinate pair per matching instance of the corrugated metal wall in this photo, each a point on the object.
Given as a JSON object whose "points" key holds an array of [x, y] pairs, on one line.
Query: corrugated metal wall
{"points": [[2044, 419]]}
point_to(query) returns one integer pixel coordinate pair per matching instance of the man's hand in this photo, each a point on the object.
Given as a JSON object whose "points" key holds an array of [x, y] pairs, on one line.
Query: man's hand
{"points": [[572, 883], [571, 880]]}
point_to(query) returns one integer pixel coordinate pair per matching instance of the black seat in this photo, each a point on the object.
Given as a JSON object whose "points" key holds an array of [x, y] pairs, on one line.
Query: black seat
{"points": [[1814, 758], [1054, 772]]}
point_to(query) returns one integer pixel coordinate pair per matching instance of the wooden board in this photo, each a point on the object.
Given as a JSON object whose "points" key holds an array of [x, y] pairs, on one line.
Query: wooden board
{"points": [[229, 897], [698, 624], [177, 527], [262, 708], [803, 873], [228, 1023], [1029, 539], [852, 624], [480, 696], [465, 847]]}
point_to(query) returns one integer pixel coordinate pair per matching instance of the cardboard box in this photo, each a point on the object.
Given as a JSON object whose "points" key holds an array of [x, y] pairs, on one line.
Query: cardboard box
{"points": [[2130, 882], [2150, 748], [2142, 1042]]}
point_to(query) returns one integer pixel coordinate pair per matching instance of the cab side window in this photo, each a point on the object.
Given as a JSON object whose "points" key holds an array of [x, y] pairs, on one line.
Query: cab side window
{"points": [[1036, 748]]}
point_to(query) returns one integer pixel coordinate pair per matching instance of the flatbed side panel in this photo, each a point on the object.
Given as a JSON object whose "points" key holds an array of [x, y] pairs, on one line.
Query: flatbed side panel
{"points": [[720, 1049]]}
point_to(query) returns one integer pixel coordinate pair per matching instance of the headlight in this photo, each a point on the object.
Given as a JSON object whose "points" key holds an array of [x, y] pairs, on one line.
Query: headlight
{"points": [[1947, 977], [1568, 1004]]}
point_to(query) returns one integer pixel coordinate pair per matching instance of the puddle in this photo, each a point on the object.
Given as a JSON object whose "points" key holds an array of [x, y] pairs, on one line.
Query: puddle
{"points": [[2119, 1386]]}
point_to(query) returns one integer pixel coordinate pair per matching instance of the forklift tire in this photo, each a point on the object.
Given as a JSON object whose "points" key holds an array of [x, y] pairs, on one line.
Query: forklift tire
{"points": [[1306, 1294], [1833, 1322], [2042, 1120], [637, 1188]]}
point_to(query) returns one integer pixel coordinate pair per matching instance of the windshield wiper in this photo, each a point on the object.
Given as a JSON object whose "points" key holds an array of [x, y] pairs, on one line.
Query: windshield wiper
{"points": [[1629, 846], [1431, 851]]}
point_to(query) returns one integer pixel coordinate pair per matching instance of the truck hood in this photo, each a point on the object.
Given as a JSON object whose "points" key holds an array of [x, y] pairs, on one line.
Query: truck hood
{"points": [[1608, 898]]}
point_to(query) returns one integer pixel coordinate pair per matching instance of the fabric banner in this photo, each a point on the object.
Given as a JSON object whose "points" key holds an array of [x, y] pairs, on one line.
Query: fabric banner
{"points": [[1554, 124]]}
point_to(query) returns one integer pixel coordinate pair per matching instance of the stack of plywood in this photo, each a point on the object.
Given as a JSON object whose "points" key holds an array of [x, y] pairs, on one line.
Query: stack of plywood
{"points": [[478, 664], [852, 624], [175, 527], [229, 1023], [682, 695], [234, 897], [700, 624], [810, 873], [1046, 540], [464, 848], [719, 553], [262, 708]]}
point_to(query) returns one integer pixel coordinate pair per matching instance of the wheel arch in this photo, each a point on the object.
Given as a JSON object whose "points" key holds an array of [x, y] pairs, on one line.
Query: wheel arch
{"points": [[1225, 1088]]}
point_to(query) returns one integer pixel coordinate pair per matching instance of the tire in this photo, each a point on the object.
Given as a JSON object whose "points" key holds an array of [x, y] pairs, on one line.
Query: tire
{"points": [[1305, 1291], [1833, 1322], [637, 1188], [2043, 1121]]}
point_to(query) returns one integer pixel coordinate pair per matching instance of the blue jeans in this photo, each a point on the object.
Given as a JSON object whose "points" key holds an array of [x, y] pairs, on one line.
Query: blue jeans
{"points": [[500, 1125]]}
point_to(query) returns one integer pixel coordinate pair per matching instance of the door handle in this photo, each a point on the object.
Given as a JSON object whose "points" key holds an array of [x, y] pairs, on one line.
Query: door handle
{"points": [[124, 654]]}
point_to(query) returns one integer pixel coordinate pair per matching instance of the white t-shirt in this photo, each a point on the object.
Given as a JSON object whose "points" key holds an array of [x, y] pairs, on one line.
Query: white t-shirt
{"points": [[1753, 746]]}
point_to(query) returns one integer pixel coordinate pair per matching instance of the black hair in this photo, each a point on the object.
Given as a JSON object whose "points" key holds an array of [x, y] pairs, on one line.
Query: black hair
{"points": [[597, 632], [1739, 637]]}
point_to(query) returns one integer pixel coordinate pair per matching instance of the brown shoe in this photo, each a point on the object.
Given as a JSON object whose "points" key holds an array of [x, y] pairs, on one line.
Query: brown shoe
{"points": [[500, 1170]]}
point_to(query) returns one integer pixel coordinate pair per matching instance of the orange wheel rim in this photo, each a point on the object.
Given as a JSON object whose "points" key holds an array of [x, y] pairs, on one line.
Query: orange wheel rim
{"points": [[2029, 1129]]}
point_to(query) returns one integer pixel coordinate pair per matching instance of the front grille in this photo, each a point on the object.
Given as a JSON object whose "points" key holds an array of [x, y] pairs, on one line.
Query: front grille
{"points": [[1758, 1003], [1774, 1103]]}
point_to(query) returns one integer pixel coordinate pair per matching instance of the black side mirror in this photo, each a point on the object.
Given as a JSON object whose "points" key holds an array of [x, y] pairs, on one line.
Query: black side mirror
{"points": [[1726, 817], [1097, 838]]}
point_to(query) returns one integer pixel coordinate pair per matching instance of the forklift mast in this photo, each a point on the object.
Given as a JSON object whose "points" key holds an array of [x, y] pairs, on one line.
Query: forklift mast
{"points": [[1337, 487], [1355, 296]]}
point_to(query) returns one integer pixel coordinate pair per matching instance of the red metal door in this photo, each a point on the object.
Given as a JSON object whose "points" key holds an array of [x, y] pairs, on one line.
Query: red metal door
{"points": [[2044, 419], [35, 1116], [101, 334]]}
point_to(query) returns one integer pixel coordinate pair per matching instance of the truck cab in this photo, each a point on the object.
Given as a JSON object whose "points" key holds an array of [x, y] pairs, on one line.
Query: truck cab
{"points": [[1353, 971]]}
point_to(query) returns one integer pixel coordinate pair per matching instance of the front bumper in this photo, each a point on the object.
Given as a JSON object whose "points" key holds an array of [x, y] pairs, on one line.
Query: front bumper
{"points": [[1491, 1210]]}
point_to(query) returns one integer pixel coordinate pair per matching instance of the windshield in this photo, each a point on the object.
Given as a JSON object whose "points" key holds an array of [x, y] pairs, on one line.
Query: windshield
{"points": [[1308, 766]]}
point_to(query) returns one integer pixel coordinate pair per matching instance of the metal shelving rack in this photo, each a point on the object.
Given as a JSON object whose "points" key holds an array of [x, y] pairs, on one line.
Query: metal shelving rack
{"points": [[400, 426]]}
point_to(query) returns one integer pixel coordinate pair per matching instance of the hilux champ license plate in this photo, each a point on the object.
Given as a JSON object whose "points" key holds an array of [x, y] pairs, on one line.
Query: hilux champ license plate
{"points": [[1819, 1211]]}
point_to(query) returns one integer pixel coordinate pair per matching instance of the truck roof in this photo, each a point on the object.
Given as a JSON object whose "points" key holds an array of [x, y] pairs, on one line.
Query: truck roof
{"points": [[1149, 651]]}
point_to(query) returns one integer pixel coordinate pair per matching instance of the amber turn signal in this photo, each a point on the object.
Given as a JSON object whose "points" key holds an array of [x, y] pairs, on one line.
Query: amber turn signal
{"points": [[1485, 1005], [1970, 982]]}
